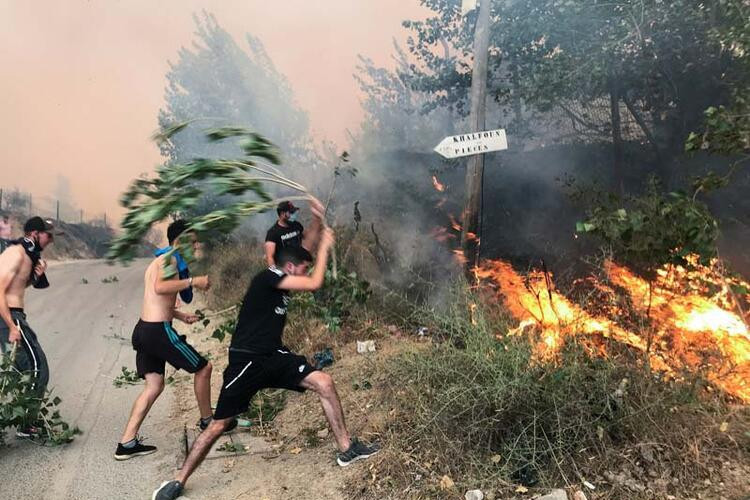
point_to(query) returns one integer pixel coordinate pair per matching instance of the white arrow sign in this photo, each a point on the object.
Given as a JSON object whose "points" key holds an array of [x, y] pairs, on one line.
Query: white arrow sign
{"points": [[456, 146]]}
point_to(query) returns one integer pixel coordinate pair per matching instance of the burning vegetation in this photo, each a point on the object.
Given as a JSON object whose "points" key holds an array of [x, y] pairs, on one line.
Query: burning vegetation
{"points": [[687, 320]]}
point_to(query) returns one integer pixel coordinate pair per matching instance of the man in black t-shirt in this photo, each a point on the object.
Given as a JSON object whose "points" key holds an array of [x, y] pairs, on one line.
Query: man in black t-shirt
{"points": [[259, 360], [287, 232]]}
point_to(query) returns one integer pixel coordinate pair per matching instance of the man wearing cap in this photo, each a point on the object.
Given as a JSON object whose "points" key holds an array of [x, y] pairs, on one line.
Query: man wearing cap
{"points": [[287, 232], [21, 265]]}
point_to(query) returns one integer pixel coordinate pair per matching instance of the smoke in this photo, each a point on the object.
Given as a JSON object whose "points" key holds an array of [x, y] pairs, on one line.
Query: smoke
{"points": [[528, 213]]}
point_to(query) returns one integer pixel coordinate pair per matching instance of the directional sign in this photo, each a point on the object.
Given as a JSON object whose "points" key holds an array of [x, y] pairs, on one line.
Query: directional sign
{"points": [[456, 146]]}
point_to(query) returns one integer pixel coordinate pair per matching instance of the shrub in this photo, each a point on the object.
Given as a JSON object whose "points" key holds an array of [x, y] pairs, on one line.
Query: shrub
{"points": [[484, 412]]}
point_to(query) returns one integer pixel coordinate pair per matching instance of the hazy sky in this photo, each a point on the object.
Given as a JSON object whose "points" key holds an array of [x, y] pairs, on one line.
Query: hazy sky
{"points": [[84, 80]]}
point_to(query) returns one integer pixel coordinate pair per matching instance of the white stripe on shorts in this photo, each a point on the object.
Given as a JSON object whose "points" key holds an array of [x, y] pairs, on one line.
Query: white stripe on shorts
{"points": [[33, 356], [238, 376]]}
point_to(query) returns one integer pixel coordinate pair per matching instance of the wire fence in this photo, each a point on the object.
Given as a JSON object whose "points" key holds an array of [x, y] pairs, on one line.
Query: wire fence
{"points": [[25, 204]]}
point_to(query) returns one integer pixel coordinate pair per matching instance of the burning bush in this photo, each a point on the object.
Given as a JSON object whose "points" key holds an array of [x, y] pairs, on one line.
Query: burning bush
{"points": [[484, 410]]}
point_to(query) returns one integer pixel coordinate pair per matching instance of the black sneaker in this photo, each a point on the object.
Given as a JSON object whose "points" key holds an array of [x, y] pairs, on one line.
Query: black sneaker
{"points": [[357, 451], [203, 425], [169, 490], [139, 449]]}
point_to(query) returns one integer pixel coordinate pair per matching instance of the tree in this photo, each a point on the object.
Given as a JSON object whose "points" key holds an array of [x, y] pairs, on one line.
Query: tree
{"points": [[219, 83], [651, 62]]}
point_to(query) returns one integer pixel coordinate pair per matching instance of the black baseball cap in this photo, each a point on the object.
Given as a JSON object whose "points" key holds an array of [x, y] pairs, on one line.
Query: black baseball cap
{"points": [[42, 225], [286, 206]]}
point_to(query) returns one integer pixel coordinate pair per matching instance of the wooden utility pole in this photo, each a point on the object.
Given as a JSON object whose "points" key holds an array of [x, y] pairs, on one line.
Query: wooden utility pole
{"points": [[472, 214], [58, 212]]}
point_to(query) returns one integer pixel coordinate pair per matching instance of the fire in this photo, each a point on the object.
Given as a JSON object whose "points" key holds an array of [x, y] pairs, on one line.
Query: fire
{"points": [[691, 326], [535, 299], [442, 234], [454, 223], [458, 254], [681, 331], [437, 184]]}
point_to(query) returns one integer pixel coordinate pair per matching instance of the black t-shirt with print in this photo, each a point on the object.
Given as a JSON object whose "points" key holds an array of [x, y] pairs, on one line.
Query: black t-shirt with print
{"points": [[285, 236], [262, 317]]}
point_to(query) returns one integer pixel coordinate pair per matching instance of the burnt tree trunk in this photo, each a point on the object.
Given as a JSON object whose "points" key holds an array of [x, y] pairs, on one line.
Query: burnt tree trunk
{"points": [[617, 147]]}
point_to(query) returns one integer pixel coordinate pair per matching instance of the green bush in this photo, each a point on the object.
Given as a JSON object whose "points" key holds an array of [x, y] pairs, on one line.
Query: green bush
{"points": [[336, 299], [21, 406]]}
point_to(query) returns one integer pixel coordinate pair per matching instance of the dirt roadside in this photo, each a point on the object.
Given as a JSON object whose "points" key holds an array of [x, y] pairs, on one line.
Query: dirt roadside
{"points": [[296, 456]]}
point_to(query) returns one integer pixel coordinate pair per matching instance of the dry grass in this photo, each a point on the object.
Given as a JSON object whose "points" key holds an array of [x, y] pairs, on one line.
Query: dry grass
{"points": [[231, 266], [481, 412]]}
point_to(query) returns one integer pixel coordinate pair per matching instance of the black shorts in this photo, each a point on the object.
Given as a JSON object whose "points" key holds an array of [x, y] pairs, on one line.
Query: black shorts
{"points": [[156, 343], [249, 373]]}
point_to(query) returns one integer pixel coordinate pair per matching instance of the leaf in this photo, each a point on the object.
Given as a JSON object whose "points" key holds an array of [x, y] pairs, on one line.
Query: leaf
{"points": [[446, 483], [166, 133], [218, 334]]}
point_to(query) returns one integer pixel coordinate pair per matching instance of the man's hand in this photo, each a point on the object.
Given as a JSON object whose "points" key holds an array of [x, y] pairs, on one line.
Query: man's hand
{"points": [[328, 238], [201, 282], [190, 318], [40, 268], [316, 208], [14, 334]]}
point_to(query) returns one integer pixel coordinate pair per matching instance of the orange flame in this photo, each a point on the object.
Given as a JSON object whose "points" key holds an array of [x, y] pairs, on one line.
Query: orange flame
{"points": [[688, 331], [441, 234], [454, 223], [437, 184], [458, 254], [691, 326]]}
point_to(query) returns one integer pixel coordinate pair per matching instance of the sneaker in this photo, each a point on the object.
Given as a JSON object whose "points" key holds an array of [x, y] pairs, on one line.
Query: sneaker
{"points": [[169, 490], [357, 451], [203, 425], [29, 432], [139, 449]]}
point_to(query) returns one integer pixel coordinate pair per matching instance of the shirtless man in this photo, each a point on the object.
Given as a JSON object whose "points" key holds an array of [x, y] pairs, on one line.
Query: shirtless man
{"points": [[156, 342], [16, 265]]}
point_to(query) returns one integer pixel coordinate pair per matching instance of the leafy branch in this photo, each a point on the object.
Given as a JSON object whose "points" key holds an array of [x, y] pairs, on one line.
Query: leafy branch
{"points": [[21, 405], [178, 187]]}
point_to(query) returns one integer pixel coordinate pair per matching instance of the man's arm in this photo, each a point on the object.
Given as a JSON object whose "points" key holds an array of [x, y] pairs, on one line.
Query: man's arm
{"points": [[10, 263], [315, 280], [270, 248], [185, 317], [163, 286], [310, 236]]}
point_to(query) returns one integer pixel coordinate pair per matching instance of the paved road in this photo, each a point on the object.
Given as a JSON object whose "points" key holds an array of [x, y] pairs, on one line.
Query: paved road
{"points": [[85, 331]]}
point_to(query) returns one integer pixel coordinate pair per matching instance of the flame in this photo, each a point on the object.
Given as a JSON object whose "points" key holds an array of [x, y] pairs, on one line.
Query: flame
{"points": [[535, 299], [442, 234], [692, 326], [437, 184], [472, 237], [458, 254], [688, 331], [454, 223]]}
